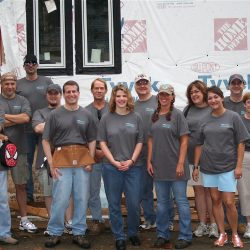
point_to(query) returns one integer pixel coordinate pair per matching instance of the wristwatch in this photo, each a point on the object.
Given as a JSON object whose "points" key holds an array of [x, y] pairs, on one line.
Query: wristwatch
{"points": [[195, 167]]}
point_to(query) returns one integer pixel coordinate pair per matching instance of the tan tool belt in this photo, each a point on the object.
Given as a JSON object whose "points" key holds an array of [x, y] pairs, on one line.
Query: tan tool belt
{"points": [[72, 156]]}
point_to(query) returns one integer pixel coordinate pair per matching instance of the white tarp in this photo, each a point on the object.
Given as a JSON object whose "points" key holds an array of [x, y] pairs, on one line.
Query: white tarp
{"points": [[173, 41]]}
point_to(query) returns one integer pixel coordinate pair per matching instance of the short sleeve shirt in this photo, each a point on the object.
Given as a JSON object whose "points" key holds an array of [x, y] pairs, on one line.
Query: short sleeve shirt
{"points": [[64, 127], [146, 109], [17, 105], [220, 137], [1, 118], [194, 116], [35, 92], [39, 117], [247, 124], [166, 146], [237, 107], [121, 133]]}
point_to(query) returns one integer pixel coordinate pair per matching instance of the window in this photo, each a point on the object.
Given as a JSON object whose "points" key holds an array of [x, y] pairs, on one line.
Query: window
{"points": [[98, 36], [48, 22]]}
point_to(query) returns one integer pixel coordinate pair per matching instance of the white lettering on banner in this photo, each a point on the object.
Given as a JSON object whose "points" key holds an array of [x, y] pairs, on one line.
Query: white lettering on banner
{"points": [[230, 34], [134, 36]]}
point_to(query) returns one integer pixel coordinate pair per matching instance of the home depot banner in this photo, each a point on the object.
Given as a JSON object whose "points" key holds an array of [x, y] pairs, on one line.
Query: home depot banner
{"points": [[173, 41]]}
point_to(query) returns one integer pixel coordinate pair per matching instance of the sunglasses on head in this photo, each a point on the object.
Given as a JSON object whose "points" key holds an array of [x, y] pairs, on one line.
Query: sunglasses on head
{"points": [[30, 63]]}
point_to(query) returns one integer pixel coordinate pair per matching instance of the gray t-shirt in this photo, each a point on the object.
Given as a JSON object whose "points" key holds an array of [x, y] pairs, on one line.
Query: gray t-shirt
{"points": [[121, 133], [166, 146], [40, 116], [145, 109], [194, 116], [220, 137], [1, 119], [64, 127], [95, 113], [35, 92], [247, 124], [17, 105], [237, 107]]}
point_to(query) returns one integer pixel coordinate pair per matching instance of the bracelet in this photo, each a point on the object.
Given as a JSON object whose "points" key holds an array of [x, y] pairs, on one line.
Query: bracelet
{"points": [[195, 167], [132, 161]]}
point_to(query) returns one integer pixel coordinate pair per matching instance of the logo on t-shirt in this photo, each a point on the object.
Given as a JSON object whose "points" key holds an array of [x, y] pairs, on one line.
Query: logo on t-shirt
{"points": [[39, 87], [17, 107], [166, 125], [80, 122], [149, 110], [225, 125], [128, 124]]}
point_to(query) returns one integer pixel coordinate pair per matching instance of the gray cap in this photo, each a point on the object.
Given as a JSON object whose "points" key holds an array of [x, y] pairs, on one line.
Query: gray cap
{"points": [[55, 87], [236, 76]]}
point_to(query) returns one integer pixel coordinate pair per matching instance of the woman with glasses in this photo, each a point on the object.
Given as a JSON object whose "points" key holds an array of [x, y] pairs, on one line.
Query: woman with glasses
{"points": [[121, 137], [167, 164], [219, 152], [196, 109]]}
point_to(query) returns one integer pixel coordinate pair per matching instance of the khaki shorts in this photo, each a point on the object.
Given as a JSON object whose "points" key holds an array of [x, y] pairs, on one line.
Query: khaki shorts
{"points": [[20, 173], [46, 182]]}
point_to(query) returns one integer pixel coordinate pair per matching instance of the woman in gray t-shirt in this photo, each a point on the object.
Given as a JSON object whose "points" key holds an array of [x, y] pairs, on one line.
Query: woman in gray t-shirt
{"points": [[121, 137], [194, 112], [220, 150], [168, 165]]}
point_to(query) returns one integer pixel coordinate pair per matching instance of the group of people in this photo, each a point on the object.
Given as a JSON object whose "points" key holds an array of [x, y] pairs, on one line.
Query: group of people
{"points": [[133, 146]]}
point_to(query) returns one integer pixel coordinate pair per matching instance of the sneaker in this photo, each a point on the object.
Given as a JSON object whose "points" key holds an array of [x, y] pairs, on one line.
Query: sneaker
{"points": [[96, 227], [222, 240], [237, 243], [201, 230], [148, 225], [247, 233], [46, 233], [81, 241], [52, 241], [182, 244], [68, 227], [160, 242], [213, 231], [171, 226], [9, 240], [27, 226]]}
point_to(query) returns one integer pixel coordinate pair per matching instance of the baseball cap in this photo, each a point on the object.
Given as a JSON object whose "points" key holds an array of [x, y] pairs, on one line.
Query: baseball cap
{"points": [[30, 58], [141, 77], [55, 87], [236, 76], [8, 76], [166, 88]]}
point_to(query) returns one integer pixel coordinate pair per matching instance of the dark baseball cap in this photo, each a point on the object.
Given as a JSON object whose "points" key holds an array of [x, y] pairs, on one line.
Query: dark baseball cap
{"points": [[54, 87], [236, 76], [30, 58]]}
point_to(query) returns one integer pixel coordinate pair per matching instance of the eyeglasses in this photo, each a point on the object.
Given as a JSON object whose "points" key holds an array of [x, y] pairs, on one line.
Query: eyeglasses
{"points": [[99, 114], [30, 63], [142, 82]]}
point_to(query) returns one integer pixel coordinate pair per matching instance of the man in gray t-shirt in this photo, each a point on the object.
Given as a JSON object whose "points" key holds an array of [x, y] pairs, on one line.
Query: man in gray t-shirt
{"points": [[97, 108], [17, 114], [33, 87], [236, 85], [145, 107], [70, 128]]}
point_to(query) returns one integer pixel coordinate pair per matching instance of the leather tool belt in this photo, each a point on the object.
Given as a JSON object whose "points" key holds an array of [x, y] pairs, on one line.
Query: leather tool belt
{"points": [[72, 156]]}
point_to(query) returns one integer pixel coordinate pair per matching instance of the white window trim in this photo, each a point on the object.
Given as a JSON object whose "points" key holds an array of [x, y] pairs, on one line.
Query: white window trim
{"points": [[36, 37], [109, 63]]}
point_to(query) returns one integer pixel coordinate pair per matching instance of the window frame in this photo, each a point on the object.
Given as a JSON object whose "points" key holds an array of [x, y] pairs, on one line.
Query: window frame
{"points": [[80, 45], [32, 36]]}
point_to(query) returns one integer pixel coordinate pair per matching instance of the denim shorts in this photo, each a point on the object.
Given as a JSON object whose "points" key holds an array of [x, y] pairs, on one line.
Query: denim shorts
{"points": [[225, 182]]}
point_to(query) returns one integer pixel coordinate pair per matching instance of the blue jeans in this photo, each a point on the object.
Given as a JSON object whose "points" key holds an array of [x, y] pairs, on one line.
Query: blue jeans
{"points": [[32, 140], [5, 219], [94, 203], [147, 196], [116, 182], [73, 181], [179, 188]]}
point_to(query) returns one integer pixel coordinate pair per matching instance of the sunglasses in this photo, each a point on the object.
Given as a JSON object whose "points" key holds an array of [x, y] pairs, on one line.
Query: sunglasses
{"points": [[30, 63], [142, 82]]}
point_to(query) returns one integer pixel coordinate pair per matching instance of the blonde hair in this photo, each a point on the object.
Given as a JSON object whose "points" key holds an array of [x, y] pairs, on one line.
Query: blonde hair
{"points": [[112, 104]]}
